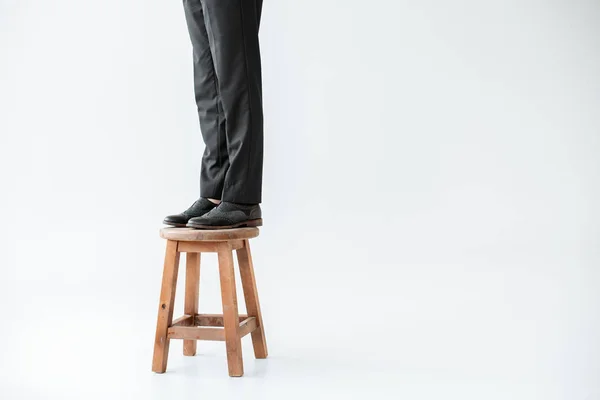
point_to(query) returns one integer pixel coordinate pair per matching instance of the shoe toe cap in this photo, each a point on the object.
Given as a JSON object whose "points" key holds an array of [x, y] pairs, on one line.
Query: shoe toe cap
{"points": [[175, 219], [206, 221], [199, 221]]}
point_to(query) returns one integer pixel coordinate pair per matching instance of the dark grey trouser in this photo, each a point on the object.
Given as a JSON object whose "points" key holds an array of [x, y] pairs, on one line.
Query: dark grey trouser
{"points": [[228, 89]]}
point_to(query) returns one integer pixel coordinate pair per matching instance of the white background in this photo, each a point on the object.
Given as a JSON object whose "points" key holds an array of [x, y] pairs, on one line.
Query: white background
{"points": [[431, 195]]}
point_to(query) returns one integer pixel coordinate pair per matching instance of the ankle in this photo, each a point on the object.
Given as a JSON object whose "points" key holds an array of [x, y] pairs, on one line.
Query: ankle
{"points": [[214, 201]]}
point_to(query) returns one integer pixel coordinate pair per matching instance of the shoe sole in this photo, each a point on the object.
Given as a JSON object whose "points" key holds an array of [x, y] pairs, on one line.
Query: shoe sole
{"points": [[174, 224], [245, 224]]}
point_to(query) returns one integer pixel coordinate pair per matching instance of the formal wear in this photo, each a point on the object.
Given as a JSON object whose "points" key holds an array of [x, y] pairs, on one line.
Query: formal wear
{"points": [[228, 92]]}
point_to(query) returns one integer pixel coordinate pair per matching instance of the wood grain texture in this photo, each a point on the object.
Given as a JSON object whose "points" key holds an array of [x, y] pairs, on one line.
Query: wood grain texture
{"points": [[259, 341], [230, 311], [193, 333], [216, 235], [198, 247], [165, 307], [192, 288], [184, 320], [214, 319], [247, 326], [207, 247]]}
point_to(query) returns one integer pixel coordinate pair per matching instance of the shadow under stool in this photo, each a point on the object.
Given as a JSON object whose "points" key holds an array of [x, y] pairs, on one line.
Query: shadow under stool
{"points": [[229, 326]]}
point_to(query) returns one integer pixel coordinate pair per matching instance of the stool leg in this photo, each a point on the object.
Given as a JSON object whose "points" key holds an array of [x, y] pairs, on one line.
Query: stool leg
{"points": [[244, 257], [165, 308], [230, 311], [192, 287]]}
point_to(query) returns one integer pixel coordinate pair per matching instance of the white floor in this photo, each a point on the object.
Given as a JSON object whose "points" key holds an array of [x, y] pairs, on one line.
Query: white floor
{"points": [[426, 337], [96, 357]]}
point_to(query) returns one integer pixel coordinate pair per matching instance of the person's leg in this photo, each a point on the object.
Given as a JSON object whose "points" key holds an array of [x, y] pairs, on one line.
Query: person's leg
{"points": [[232, 27], [215, 160]]}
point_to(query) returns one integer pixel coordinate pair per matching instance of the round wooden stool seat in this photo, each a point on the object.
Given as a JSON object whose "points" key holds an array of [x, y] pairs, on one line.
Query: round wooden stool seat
{"points": [[207, 235]]}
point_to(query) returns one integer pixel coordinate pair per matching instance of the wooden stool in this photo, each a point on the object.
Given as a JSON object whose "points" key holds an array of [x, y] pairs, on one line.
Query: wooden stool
{"points": [[230, 326]]}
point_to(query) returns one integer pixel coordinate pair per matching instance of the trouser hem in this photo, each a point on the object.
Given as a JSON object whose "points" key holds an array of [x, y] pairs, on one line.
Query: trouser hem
{"points": [[239, 193]]}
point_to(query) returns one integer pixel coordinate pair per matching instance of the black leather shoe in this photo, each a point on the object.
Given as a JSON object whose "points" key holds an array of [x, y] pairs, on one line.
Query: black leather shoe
{"points": [[228, 215], [200, 207]]}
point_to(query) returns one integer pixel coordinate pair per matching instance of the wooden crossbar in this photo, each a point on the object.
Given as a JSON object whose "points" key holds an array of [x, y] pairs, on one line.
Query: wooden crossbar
{"points": [[184, 320], [213, 319], [196, 333], [246, 326]]}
